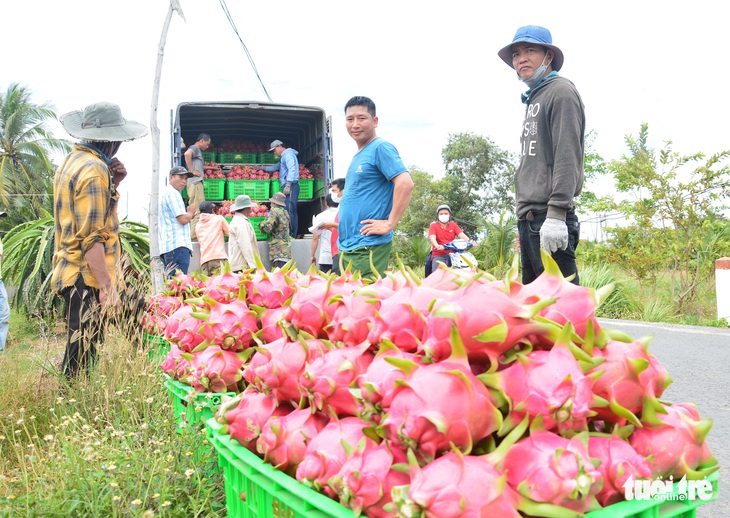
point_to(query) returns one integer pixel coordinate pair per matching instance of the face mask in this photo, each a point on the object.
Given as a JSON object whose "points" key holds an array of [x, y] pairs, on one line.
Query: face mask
{"points": [[537, 75], [444, 218], [335, 197]]}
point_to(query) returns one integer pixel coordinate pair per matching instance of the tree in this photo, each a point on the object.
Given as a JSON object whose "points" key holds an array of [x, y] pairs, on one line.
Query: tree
{"points": [[26, 169], [671, 204], [484, 176]]}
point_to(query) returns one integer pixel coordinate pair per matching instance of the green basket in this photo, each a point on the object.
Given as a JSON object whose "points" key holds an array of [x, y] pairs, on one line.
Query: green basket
{"points": [[157, 347], [193, 408], [255, 489], [237, 158], [255, 189], [255, 220], [306, 189], [319, 188], [214, 189], [268, 158], [275, 186], [210, 156]]}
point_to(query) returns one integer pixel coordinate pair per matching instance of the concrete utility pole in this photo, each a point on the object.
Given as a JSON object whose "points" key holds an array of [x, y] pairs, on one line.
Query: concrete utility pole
{"points": [[156, 262]]}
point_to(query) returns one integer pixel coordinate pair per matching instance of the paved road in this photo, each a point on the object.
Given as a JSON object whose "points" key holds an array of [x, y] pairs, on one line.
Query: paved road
{"points": [[698, 359]]}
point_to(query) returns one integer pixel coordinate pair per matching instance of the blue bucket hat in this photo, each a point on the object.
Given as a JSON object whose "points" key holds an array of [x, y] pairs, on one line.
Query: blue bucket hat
{"points": [[533, 34]]}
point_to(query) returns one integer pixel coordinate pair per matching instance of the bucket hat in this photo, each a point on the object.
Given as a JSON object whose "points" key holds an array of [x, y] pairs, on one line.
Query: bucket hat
{"points": [[278, 199], [243, 201], [533, 34], [275, 144], [102, 122], [180, 170]]}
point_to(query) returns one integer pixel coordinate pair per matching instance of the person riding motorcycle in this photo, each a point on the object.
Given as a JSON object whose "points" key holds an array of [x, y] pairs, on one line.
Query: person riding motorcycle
{"points": [[441, 232]]}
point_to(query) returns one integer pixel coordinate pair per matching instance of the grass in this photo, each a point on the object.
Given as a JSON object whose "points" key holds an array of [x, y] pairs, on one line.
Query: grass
{"points": [[106, 447]]}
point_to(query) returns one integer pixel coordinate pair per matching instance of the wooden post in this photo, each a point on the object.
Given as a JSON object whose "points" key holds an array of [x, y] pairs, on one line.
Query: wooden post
{"points": [[156, 262]]}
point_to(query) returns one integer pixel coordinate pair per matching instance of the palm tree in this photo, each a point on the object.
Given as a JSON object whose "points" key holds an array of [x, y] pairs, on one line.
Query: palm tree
{"points": [[26, 169]]}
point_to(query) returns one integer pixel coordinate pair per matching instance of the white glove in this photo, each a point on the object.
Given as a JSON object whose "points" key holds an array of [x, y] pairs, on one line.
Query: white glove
{"points": [[554, 235], [287, 189]]}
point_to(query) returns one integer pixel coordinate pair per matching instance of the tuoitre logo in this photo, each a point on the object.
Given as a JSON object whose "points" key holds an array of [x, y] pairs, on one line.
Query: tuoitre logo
{"points": [[660, 489]]}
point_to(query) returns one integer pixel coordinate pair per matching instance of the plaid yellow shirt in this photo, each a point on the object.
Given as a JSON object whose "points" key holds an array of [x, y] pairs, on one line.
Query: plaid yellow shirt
{"points": [[85, 212]]}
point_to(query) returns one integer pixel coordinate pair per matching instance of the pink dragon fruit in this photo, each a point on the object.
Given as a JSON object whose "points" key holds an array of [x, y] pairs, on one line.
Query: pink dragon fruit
{"points": [[224, 287], [269, 322], [550, 384], [184, 286], [270, 289], [377, 382], [326, 380], [280, 376], [183, 329], [449, 279], [229, 325], [366, 479], [328, 450], [674, 442], [489, 321], [262, 355], [619, 461], [573, 303], [158, 308], [215, 370], [631, 378], [245, 415], [174, 364], [284, 439], [401, 318], [440, 405], [354, 314], [457, 485], [548, 468]]}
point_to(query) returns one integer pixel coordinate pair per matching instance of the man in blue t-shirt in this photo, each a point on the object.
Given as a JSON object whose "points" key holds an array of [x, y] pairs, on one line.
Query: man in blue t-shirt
{"points": [[378, 192]]}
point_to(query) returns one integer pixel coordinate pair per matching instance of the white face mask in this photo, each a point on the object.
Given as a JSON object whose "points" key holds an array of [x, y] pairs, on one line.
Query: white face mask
{"points": [[444, 218], [335, 197]]}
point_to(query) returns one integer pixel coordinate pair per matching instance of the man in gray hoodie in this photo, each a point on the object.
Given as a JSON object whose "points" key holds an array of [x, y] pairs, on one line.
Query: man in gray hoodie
{"points": [[550, 173]]}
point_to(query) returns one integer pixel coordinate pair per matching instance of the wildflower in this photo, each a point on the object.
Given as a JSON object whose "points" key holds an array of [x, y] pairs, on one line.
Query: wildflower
{"points": [[156, 496], [114, 485], [166, 503], [150, 399], [170, 458], [136, 501], [116, 498], [19, 421], [148, 514], [112, 467], [189, 472]]}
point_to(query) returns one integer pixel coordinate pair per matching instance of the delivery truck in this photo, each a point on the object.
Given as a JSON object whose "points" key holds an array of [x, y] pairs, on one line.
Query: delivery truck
{"points": [[251, 126]]}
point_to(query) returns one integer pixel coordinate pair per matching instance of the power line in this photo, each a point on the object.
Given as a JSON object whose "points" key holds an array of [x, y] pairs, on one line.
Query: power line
{"points": [[245, 49]]}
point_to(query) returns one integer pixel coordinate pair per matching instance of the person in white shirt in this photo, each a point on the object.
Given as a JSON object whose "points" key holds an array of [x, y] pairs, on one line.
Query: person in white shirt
{"points": [[322, 236], [242, 245]]}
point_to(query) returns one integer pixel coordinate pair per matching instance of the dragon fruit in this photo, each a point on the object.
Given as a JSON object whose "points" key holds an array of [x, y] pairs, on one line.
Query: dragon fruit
{"points": [[184, 286], [280, 375], [366, 479], [328, 450], [183, 329], [401, 318], [550, 384], [489, 321], [674, 442], [229, 325], [631, 378], [456, 485], [326, 380], [261, 356], [214, 370], [270, 320], [619, 461], [174, 364], [225, 286], [548, 468], [354, 314], [284, 439], [245, 415], [439, 406], [158, 308], [269, 289]]}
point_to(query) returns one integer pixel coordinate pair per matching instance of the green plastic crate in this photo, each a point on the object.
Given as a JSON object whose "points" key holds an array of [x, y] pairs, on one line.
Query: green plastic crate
{"points": [[157, 347], [306, 189], [255, 189], [193, 408], [260, 236], [214, 189], [268, 158], [319, 188], [275, 186], [255, 489], [210, 156]]}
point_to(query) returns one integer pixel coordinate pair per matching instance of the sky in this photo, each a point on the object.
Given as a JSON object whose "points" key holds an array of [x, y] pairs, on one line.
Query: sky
{"points": [[431, 68]]}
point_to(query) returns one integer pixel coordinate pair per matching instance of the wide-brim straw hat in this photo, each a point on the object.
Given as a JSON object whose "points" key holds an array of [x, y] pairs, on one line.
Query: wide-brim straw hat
{"points": [[102, 122], [243, 201], [533, 34]]}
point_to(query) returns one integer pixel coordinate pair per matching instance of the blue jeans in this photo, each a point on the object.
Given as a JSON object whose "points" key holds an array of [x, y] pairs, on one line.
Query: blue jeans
{"points": [[530, 247], [178, 259], [4, 315], [291, 208]]}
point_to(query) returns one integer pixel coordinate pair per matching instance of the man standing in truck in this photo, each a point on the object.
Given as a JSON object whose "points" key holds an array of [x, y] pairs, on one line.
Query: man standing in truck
{"points": [[195, 163], [288, 168], [378, 192]]}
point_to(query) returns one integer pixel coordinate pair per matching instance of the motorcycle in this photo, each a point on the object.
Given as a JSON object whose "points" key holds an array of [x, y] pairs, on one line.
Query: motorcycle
{"points": [[459, 256]]}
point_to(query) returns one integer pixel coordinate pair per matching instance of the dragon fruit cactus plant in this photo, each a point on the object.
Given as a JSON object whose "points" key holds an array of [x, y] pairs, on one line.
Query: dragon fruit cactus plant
{"points": [[618, 461], [328, 451], [366, 479], [674, 442]]}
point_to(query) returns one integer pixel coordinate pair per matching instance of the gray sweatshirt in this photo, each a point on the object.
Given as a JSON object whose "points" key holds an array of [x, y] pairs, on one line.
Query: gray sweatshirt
{"points": [[550, 173]]}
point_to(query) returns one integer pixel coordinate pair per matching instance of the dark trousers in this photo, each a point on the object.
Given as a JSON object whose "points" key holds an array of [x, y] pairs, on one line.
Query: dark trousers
{"points": [[529, 231], [291, 208], [178, 259], [85, 327]]}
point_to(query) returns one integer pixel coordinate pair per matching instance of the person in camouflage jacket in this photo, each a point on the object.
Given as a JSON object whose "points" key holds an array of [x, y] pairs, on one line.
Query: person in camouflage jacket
{"points": [[276, 225]]}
